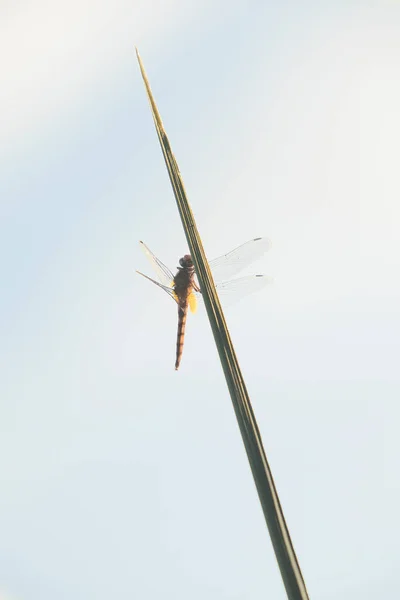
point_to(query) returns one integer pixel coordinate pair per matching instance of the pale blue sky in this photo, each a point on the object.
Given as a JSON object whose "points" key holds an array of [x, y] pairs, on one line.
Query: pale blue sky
{"points": [[118, 476]]}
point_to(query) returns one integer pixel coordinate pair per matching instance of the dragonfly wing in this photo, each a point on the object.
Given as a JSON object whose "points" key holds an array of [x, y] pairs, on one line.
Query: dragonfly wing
{"points": [[167, 289], [233, 291], [164, 275], [229, 265]]}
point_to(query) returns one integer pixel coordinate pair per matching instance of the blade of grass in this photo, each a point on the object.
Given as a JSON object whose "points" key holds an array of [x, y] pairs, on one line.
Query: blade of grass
{"points": [[283, 547]]}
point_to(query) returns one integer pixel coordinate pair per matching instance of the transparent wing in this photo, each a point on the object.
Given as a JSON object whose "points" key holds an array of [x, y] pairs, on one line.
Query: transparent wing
{"points": [[231, 264], [166, 288], [233, 291], [164, 275]]}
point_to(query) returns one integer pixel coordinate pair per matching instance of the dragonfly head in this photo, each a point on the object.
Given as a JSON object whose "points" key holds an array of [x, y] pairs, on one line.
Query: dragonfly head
{"points": [[186, 262]]}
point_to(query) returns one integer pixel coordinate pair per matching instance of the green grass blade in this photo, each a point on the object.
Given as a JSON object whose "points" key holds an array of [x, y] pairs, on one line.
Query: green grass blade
{"points": [[283, 547]]}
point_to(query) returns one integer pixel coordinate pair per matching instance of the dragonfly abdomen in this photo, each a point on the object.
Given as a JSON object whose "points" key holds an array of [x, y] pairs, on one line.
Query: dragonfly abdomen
{"points": [[182, 316]]}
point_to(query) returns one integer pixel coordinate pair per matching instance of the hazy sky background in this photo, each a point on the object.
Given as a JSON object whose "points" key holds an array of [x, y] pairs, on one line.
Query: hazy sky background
{"points": [[118, 476]]}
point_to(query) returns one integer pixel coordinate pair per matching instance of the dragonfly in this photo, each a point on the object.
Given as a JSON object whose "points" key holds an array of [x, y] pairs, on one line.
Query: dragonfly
{"points": [[184, 289]]}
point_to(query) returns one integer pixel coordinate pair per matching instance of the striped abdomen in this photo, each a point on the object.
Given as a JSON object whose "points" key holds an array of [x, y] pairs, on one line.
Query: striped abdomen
{"points": [[182, 316]]}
